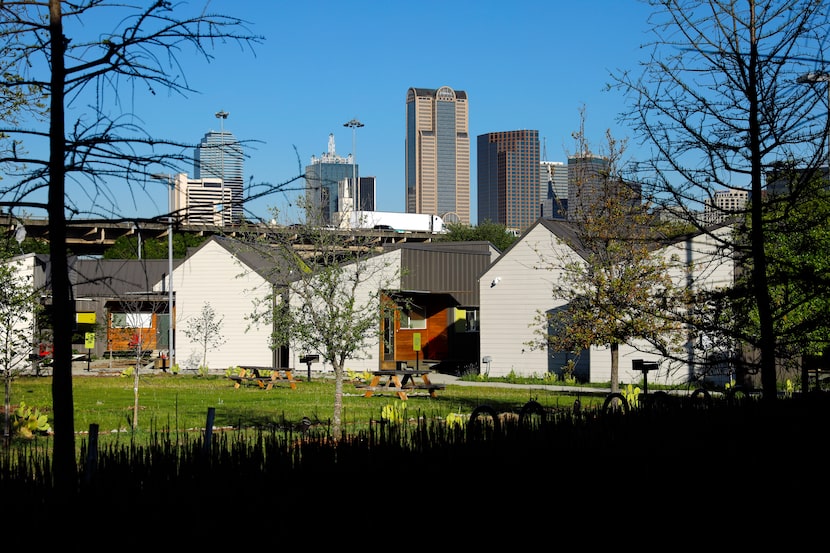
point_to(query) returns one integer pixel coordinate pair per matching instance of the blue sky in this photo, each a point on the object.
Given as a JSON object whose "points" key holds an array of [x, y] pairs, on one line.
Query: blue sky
{"points": [[524, 65]]}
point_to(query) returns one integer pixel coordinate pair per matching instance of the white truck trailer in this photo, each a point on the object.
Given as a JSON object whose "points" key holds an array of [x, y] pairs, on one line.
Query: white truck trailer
{"points": [[390, 220]]}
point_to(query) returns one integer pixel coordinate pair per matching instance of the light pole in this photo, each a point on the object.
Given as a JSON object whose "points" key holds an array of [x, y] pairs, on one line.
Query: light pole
{"points": [[354, 124], [222, 115], [137, 231], [820, 77], [171, 185]]}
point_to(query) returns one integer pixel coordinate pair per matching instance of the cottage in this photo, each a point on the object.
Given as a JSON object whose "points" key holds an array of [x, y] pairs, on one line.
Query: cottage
{"points": [[518, 286], [437, 296]]}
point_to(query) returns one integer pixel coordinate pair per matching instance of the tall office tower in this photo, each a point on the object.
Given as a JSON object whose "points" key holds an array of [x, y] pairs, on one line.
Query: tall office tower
{"points": [[322, 179], [438, 153], [508, 178], [589, 184], [553, 189], [219, 156], [365, 197], [587, 176]]}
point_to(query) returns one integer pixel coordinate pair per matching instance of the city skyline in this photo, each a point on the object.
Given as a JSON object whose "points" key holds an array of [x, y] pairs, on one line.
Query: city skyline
{"points": [[284, 98]]}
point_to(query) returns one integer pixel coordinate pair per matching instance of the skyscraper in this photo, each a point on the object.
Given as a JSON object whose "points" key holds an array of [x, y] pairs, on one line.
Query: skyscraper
{"points": [[438, 153], [508, 178], [365, 197], [323, 183], [591, 184], [219, 156], [553, 188]]}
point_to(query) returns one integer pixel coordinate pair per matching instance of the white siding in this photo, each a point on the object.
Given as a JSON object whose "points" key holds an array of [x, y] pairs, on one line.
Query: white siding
{"points": [[215, 276], [523, 278], [20, 322], [509, 308], [385, 274]]}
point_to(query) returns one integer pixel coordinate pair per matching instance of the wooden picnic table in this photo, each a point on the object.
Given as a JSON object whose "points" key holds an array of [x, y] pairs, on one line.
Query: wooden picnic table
{"points": [[260, 376], [401, 381]]}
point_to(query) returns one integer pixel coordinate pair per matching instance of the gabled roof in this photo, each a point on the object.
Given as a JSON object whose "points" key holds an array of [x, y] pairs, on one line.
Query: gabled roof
{"points": [[116, 278], [446, 268], [259, 258], [568, 233], [436, 267]]}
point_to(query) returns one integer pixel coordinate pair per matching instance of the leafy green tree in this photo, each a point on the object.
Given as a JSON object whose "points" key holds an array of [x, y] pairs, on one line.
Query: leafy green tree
{"points": [[19, 305], [717, 104], [488, 231], [74, 65], [618, 289], [797, 247], [126, 247], [329, 299]]}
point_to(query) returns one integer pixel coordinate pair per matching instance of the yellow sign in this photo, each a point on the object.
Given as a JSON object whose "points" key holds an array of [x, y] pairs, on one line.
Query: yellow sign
{"points": [[416, 341], [89, 339], [85, 318]]}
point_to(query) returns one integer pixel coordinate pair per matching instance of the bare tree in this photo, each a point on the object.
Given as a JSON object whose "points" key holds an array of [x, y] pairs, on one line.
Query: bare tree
{"points": [[139, 311], [719, 103], [81, 76]]}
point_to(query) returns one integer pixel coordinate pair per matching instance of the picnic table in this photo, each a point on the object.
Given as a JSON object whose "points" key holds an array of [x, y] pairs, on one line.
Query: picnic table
{"points": [[264, 377], [401, 381]]}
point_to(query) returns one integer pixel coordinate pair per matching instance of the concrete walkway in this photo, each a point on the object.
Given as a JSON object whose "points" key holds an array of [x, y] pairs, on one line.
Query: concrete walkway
{"points": [[441, 378]]}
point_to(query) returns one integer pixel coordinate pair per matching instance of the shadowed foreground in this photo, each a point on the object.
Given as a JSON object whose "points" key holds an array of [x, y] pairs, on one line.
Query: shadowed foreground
{"points": [[561, 455]]}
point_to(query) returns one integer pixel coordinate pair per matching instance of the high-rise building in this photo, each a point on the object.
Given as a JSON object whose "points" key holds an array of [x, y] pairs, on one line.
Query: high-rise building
{"points": [[220, 156], [323, 183], [202, 197], [553, 189], [590, 183], [725, 205], [508, 178], [438, 153], [365, 197]]}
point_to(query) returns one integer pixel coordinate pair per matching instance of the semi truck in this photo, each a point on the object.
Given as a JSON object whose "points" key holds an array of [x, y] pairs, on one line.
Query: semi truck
{"points": [[390, 220]]}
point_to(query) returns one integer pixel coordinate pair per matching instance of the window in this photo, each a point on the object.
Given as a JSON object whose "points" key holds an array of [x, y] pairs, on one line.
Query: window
{"points": [[132, 320], [472, 320], [413, 318]]}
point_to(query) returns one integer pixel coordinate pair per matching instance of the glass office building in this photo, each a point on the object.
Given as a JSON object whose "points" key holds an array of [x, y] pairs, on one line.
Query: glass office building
{"points": [[219, 156]]}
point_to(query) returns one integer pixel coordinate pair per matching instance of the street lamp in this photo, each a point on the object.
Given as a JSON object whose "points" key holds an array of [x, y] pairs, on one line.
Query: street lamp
{"points": [[354, 124], [222, 115], [171, 186], [814, 77]]}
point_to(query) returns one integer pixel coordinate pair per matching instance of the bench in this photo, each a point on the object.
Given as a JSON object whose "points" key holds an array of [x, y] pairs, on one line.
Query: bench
{"points": [[263, 377], [431, 388], [392, 382]]}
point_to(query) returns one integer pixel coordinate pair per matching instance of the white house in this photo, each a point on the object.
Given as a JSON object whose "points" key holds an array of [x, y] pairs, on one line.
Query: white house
{"points": [[18, 326], [518, 286], [232, 278]]}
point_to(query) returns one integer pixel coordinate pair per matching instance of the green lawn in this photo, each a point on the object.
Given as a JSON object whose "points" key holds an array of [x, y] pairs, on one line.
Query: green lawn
{"points": [[181, 402]]}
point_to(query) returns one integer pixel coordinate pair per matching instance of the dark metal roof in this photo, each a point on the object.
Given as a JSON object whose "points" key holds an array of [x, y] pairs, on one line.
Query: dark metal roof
{"points": [[446, 267], [459, 94], [116, 278]]}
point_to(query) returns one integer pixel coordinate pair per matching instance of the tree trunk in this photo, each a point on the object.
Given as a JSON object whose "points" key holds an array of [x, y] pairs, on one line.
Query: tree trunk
{"points": [[759, 265], [63, 310], [337, 423], [615, 367]]}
